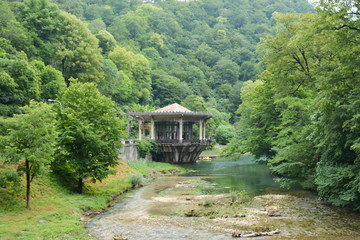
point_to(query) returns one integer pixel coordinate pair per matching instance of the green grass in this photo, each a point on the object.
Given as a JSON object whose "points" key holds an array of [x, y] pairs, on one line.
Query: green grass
{"points": [[56, 210], [145, 167], [213, 150]]}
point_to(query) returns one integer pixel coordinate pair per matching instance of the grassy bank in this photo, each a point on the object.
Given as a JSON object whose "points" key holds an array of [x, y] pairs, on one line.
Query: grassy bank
{"points": [[145, 167], [56, 210]]}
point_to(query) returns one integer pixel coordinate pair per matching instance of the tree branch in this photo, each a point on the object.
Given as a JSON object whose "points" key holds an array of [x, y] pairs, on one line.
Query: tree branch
{"points": [[347, 26]]}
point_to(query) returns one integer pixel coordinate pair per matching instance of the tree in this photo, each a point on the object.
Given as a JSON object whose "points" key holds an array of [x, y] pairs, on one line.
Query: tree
{"points": [[136, 66], [61, 40], [166, 88], [258, 119], [224, 133], [19, 82], [194, 103], [225, 71], [51, 81], [28, 141], [117, 85], [106, 41], [90, 133], [77, 52]]}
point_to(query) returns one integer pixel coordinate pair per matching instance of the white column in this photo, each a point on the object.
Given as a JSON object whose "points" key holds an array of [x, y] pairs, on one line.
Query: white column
{"points": [[181, 130], [200, 130], [152, 135], [140, 131]]}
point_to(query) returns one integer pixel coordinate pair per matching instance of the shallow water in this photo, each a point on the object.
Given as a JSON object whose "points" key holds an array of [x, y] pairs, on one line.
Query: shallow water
{"points": [[240, 175], [152, 212], [134, 216]]}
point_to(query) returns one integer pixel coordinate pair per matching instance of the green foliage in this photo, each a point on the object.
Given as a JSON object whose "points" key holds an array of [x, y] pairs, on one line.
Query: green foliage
{"points": [[239, 196], [51, 81], [303, 112], [145, 167], [58, 209], [90, 133], [166, 89], [106, 41], [10, 179], [146, 147], [208, 202], [194, 103], [224, 133], [136, 179], [163, 52], [27, 143], [135, 66], [60, 39], [19, 82]]}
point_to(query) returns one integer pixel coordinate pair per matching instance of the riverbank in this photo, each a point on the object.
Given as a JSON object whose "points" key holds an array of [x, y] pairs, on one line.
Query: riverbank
{"points": [[200, 207], [57, 212]]}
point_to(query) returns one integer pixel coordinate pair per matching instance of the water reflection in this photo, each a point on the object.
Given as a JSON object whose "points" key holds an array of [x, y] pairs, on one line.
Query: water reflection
{"points": [[236, 176]]}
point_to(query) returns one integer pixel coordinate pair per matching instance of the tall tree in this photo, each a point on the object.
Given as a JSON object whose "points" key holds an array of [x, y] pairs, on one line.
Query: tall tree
{"points": [[28, 141], [60, 40], [19, 82], [90, 133]]}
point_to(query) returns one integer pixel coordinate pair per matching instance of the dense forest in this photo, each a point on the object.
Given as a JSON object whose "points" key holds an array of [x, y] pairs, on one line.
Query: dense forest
{"points": [[302, 114], [282, 75]]}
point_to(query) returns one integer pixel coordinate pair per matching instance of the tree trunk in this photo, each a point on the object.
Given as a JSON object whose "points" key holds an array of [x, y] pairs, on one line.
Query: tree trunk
{"points": [[80, 185], [27, 184]]}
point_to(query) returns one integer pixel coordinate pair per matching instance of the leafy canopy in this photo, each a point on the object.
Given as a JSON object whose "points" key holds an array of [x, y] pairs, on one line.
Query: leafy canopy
{"points": [[90, 132]]}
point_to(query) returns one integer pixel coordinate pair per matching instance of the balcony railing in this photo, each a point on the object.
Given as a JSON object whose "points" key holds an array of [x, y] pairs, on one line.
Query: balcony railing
{"points": [[190, 141]]}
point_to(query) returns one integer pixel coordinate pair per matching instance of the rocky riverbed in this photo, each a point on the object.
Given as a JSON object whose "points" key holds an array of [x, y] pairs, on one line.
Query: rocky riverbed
{"points": [[177, 208]]}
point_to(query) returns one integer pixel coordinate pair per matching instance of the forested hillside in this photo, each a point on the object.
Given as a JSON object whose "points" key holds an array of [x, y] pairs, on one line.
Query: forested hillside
{"points": [[289, 82], [136, 53], [303, 111]]}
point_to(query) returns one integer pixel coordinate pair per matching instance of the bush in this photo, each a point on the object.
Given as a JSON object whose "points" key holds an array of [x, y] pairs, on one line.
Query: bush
{"points": [[208, 202], [136, 179], [239, 196], [146, 147], [224, 133], [145, 167]]}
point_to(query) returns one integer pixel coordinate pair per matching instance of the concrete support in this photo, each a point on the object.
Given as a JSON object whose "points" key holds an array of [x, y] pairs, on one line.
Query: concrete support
{"points": [[181, 131], [200, 130], [152, 130], [140, 128], [180, 153]]}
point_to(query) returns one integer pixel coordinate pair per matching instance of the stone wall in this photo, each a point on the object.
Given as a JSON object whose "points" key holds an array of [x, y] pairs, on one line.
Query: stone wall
{"points": [[128, 152]]}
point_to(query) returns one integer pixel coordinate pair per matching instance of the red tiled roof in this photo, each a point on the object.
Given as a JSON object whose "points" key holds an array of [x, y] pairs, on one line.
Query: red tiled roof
{"points": [[173, 108]]}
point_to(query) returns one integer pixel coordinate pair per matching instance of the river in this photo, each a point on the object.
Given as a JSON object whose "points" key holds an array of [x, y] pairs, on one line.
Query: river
{"points": [[199, 205]]}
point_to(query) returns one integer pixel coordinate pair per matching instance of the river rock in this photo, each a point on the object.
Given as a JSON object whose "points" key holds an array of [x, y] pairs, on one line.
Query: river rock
{"points": [[236, 215], [236, 234], [190, 213], [273, 212], [119, 237]]}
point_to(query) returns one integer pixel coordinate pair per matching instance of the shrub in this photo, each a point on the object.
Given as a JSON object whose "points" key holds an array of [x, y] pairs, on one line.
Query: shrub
{"points": [[224, 133], [207, 202], [136, 179], [239, 196], [145, 147]]}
